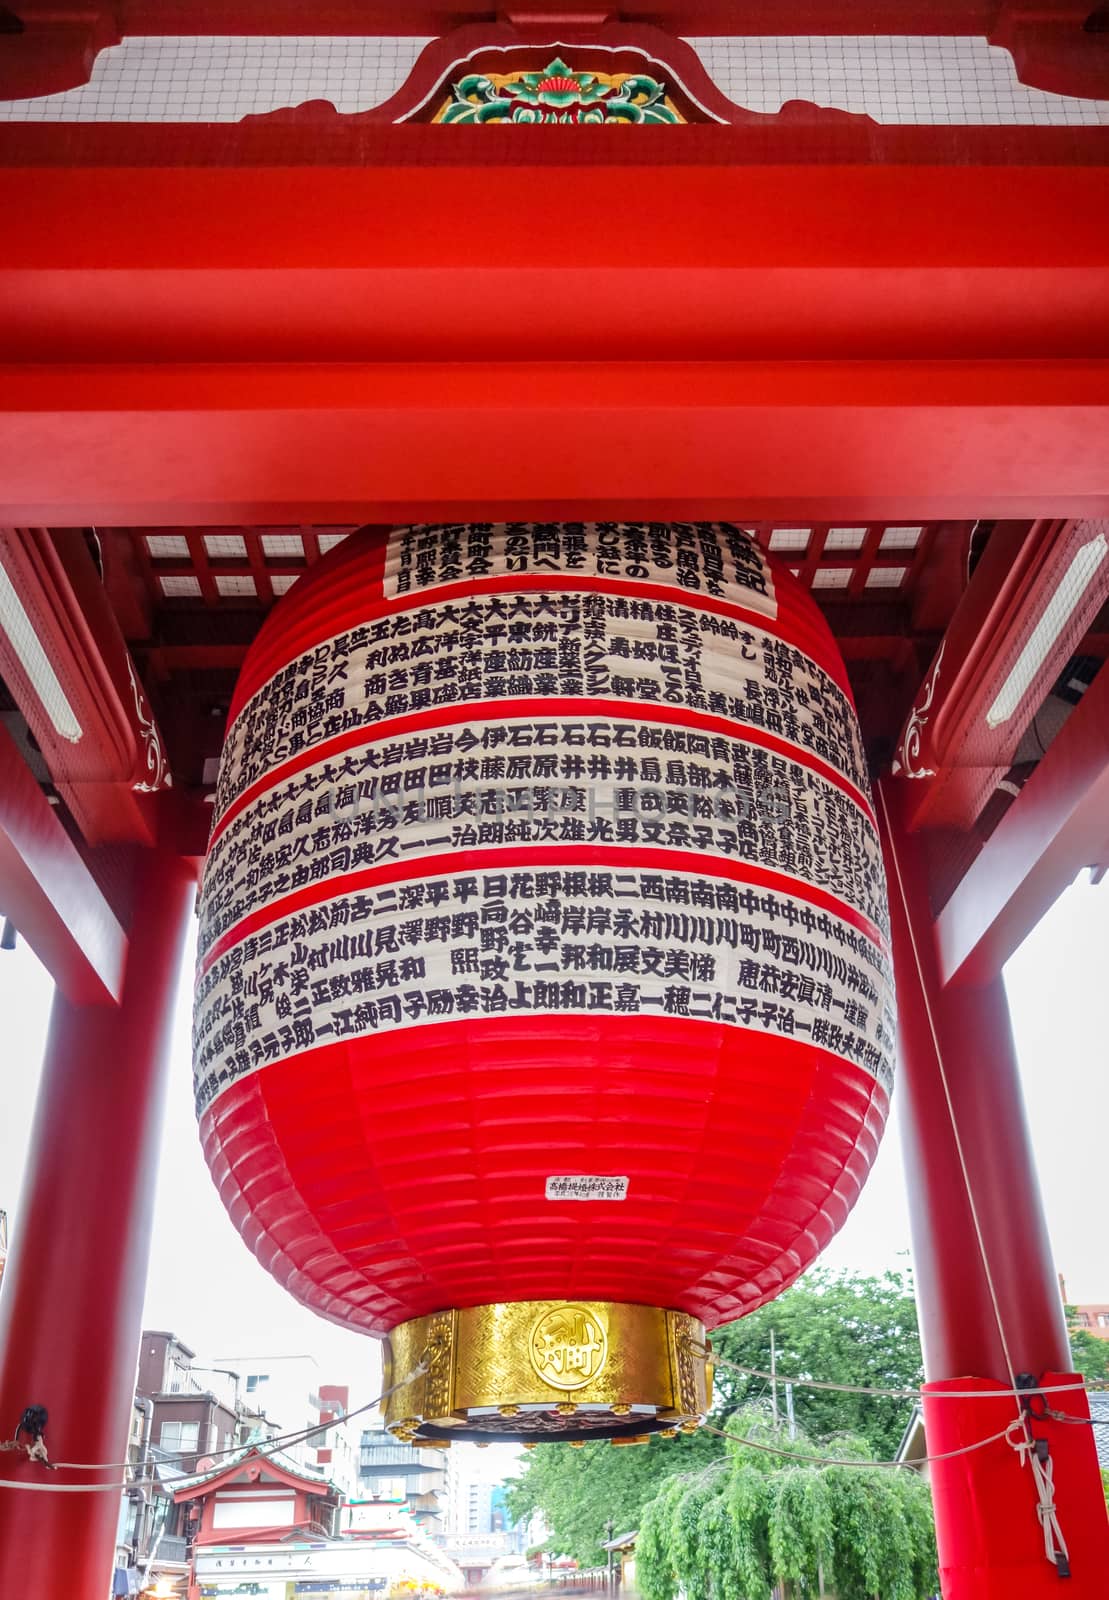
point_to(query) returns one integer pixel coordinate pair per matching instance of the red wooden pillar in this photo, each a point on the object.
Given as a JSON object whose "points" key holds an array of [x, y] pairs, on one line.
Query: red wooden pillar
{"points": [[71, 1306], [988, 1294]]}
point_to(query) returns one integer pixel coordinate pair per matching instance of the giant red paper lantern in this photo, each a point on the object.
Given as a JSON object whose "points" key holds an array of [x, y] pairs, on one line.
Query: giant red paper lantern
{"points": [[543, 1009]]}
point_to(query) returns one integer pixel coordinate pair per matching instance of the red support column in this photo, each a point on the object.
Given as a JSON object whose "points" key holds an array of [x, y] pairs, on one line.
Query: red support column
{"points": [[71, 1306], [989, 1300]]}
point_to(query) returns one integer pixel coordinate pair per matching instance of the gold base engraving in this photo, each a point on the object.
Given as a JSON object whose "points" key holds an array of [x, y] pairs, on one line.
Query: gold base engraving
{"points": [[547, 1369]]}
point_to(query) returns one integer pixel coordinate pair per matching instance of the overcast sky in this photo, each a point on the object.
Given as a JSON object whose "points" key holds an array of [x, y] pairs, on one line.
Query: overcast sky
{"points": [[207, 1287]]}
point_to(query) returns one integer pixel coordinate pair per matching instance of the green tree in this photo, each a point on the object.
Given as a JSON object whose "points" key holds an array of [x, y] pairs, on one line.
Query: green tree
{"points": [[578, 1491], [1091, 1354], [745, 1524], [836, 1327]]}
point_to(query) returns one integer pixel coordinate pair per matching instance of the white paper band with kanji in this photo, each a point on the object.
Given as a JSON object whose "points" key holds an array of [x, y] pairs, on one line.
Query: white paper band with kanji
{"points": [[715, 559], [520, 782], [543, 941], [511, 646]]}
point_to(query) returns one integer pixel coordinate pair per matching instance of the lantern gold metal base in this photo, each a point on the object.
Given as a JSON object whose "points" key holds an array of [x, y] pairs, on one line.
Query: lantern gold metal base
{"points": [[547, 1369]]}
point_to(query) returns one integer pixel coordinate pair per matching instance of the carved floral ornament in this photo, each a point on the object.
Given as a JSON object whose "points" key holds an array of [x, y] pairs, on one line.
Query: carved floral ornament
{"points": [[158, 775], [556, 93], [905, 763]]}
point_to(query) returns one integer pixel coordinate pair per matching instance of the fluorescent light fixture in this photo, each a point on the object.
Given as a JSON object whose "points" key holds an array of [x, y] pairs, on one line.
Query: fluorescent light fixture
{"points": [[831, 577], [1044, 636], [35, 662], [844, 538], [328, 541]]}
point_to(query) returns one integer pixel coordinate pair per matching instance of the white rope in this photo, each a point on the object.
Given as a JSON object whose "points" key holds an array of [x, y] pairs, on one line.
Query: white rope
{"points": [[65, 1488], [265, 1446], [854, 1461], [886, 1394], [1043, 1472]]}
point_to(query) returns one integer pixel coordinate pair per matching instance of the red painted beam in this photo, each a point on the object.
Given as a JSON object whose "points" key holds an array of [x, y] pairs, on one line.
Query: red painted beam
{"points": [[436, 16], [1058, 824], [679, 16], [704, 261], [49, 894], [300, 444]]}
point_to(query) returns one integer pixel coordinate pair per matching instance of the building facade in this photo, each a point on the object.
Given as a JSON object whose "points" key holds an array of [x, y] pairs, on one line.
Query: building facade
{"points": [[394, 1473], [1094, 1319], [192, 1418]]}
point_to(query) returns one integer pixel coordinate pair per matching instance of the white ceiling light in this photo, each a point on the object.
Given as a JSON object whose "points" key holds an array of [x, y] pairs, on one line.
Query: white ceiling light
{"points": [[1042, 640], [35, 662]]}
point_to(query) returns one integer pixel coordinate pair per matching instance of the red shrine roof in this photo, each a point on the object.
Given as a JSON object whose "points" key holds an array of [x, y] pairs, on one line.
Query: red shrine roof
{"points": [[253, 1464]]}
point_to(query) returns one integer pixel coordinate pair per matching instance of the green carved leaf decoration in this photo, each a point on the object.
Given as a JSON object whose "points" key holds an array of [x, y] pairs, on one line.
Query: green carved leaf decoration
{"points": [[558, 94]]}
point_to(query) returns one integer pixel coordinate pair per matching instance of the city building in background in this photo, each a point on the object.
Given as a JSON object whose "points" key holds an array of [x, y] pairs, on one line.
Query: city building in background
{"points": [[401, 1474], [480, 1533], [195, 1411], [257, 1490], [1095, 1320], [210, 1443], [380, 1551]]}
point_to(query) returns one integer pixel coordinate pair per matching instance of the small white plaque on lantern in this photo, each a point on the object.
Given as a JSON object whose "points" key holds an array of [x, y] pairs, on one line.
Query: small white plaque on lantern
{"points": [[587, 1188]]}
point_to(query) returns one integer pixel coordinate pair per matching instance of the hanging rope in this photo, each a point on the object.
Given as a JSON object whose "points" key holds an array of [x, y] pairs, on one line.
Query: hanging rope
{"points": [[855, 1461], [279, 1441], [889, 1394], [1034, 1453]]}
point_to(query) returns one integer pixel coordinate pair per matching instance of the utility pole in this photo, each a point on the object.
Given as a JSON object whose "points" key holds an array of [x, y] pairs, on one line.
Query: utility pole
{"points": [[774, 1377]]}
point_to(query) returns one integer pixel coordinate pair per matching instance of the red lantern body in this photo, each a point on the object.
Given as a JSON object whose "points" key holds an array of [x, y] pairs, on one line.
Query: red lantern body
{"points": [[543, 951]]}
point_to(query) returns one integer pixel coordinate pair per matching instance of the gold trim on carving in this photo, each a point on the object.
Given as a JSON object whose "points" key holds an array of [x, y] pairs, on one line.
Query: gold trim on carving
{"points": [[541, 1369]]}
